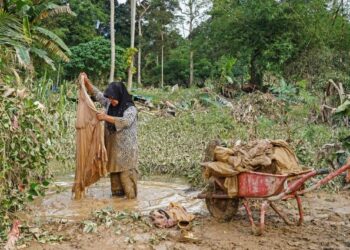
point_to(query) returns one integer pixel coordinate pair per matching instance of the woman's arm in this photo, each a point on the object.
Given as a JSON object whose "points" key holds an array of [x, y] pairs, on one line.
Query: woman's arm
{"points": [[100, 97], [120, 123], [92, 90]]}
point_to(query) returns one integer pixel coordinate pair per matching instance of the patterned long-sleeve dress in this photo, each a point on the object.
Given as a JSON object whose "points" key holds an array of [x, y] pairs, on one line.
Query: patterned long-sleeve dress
{"points": [[121, 145]]}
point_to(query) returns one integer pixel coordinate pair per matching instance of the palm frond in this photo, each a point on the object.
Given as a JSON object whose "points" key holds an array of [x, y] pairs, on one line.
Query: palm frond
{"points": [[53, 37], [52, 47], [23, 56], [10, 30], [26, 30], [43, 55], [54, 10]]}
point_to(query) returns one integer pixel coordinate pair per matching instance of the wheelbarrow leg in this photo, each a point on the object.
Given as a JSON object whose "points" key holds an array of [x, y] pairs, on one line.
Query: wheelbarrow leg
{"points": [[249, 213], [282, 215], [260, 230], [300, 208], [262, 217]]}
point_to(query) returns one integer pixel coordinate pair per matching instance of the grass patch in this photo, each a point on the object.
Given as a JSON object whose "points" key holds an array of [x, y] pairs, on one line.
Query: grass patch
{"points": [[174, 145]]}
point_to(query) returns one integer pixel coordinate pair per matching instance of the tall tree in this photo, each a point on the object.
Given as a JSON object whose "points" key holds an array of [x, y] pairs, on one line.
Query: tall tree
{"points": [[111, 74], [143, 7], [93, 16], [160, 23], [262, 32], [194, 12], [132, 41]]}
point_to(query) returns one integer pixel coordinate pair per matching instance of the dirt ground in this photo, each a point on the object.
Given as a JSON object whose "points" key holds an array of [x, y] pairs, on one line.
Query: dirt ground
{"points": [[326, 226]]}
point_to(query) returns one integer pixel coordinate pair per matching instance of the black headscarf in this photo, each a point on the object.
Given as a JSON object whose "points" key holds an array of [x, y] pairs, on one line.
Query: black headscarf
{"points": [[117, 91]]}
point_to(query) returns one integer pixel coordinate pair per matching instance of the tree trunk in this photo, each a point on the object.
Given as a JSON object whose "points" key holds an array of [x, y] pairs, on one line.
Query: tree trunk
{"points": [[256, 74], [139, 55], [132, 42], [3, 4], [111, 75], [190, 5], [162, 63], [162, 73], [191, 68], [139, 70]]}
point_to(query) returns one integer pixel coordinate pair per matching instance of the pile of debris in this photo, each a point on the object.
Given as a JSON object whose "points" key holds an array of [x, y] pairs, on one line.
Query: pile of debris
{"points": [[336, 102], [267, 156], [250, 106], [205, 98], [145, 104]]}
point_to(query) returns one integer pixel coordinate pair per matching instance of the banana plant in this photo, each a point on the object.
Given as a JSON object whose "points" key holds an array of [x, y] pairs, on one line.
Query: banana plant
{"points": [[21, 31]]}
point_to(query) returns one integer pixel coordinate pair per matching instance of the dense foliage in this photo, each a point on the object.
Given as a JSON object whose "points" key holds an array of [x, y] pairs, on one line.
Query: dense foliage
{"points": [[36, 130], [93, 58], [23, 35], [25, 147]]}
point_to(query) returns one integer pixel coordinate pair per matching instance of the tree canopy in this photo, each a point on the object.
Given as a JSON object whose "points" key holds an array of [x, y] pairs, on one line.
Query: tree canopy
{"points": [[229, 41]]}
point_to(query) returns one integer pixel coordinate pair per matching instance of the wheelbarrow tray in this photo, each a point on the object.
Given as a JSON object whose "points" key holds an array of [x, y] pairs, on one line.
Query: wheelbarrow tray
{"points": [[261, 185], [268, 187]]}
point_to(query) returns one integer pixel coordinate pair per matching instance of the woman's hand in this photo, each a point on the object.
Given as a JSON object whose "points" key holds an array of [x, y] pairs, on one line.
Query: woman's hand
{"points": [[83, 75], [105, 117], [101, 116], [87, 82]]}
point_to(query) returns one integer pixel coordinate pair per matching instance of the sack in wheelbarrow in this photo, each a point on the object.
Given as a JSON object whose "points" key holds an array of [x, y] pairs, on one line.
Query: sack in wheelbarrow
{"points": [[267, 156]]}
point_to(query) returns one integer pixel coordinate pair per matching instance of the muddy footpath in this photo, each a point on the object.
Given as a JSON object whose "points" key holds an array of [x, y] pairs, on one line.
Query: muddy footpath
{"points": [[101, 222]]}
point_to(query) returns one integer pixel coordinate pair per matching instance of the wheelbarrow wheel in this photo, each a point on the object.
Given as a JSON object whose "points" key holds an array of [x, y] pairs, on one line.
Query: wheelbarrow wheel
{"points": [[223, 209]]}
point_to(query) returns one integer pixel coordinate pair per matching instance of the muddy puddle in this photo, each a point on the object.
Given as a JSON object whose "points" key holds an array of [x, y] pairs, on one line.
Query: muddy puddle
{"points": [[152, 194], [326, 222]]}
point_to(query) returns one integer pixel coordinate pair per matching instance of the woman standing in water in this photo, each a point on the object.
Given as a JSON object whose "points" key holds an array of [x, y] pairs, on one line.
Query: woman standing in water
{"points": [[120, 136]]}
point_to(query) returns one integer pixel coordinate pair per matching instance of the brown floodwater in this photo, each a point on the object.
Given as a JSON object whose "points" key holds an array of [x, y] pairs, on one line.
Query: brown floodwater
{"points": [[154, 193]]}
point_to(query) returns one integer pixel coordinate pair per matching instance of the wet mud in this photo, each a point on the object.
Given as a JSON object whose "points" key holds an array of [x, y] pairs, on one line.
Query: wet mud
{"points": [[326, 226], [153, 194]]}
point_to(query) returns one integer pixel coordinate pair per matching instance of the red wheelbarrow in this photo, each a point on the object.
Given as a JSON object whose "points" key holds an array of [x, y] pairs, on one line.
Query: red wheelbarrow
{"points": [[268, 187]]}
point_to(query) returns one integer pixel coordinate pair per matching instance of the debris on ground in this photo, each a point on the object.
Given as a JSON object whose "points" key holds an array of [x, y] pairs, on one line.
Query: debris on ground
{"points": [[186, 236], [13, 236], [174, 88], [174, 214], [165, 107], [249, 107], [326, 226], [335, 102]]}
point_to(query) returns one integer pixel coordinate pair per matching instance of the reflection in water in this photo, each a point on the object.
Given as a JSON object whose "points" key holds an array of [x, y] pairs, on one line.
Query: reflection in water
{"points": [[152, 194]]}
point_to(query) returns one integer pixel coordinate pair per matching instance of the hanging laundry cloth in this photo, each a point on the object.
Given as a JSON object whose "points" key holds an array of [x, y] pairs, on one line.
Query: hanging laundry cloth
{"points": [[91, 154]]}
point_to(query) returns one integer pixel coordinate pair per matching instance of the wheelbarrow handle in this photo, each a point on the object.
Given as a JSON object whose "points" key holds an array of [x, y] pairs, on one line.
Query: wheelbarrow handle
{"points": [[322, 171], [294, 186], [326, 179]]}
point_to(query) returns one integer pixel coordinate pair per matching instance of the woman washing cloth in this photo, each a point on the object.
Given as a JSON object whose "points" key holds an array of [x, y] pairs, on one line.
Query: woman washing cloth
{"points": [[120, 136]]}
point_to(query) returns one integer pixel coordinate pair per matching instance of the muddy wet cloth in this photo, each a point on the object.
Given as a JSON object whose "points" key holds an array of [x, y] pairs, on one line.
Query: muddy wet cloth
{"points": [[121, 145], [91, 154], [171, 216], [122, 148], [267, 156]]}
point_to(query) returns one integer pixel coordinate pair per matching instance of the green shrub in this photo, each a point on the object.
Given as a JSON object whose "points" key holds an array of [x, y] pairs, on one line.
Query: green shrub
{"points": [[25, 148], [94, 58]]}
